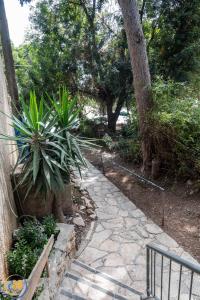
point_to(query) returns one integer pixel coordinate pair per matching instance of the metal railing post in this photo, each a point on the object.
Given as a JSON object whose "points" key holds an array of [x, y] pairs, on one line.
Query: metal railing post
{"points": [[151, 251], [148, 272]]}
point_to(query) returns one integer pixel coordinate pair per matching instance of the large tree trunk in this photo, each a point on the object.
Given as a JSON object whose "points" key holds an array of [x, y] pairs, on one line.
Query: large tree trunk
{"points": [[8, 57], [141, 75]]}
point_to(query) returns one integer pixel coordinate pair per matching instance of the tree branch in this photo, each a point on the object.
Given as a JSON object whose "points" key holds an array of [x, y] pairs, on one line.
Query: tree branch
{"points": [[142, 10]]}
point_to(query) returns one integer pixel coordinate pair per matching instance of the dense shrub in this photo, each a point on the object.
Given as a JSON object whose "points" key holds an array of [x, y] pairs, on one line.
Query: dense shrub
{"points": [[29, 243], [22, 259], [129, 149], [49, 226], [176, 126], [86, 128], [32, 234]]}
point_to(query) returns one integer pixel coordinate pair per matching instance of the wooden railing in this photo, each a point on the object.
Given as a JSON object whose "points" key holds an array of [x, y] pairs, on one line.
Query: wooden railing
{"points": [[34, 278]]}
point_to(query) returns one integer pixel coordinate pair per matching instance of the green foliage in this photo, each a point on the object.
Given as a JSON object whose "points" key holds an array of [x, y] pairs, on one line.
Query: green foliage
{"points": [[86, 128], [172, 27], [30, 241], [80, 45], [129, 149], [176, 121], [32, 234], [22, 259], [47, 147], [49, 225], [108, 142], [131, 129], [65, 109]]}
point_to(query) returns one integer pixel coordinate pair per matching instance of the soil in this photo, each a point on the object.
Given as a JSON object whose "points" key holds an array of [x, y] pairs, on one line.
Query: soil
{"points": [[177, 209]]}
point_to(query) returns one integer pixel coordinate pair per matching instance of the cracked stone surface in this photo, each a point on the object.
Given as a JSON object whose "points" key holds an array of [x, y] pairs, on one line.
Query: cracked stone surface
{"points": [[121, 233]]}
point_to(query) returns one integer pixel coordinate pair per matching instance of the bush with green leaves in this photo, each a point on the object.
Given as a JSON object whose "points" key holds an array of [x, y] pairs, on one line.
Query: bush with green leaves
{"points": [[32, 234], [30, 240], [86, 128], [22, 259], [176, 126], [129, 149], [108, 142], [49, 225]]}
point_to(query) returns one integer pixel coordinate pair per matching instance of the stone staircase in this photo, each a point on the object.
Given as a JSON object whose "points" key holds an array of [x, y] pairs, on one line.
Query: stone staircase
{"points": [[85, 283]]}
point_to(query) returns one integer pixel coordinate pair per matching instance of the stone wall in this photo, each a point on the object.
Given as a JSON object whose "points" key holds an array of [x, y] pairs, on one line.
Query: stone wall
{"points": [[59, 261], [7, 160]]}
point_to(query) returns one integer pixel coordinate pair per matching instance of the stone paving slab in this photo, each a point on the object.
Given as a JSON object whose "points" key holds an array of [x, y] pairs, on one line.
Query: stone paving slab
{"points": [[121, 233]]}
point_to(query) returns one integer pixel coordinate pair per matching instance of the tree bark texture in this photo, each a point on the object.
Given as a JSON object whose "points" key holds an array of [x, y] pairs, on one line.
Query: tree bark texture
{"points": [[141, 75], [57, 208], [8, 58]]}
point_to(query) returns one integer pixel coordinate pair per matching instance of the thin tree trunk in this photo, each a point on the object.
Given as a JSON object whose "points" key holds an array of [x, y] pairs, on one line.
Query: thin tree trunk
{"points": [[8, 57], [141, 75], [112, 119]]}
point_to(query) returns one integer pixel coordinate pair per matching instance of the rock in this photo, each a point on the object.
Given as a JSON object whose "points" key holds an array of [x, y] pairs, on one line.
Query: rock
{"points": [[88, 203], [76, 186], [79, 221], [90, 211], [93, 217], [82, 207], [153, 228]]}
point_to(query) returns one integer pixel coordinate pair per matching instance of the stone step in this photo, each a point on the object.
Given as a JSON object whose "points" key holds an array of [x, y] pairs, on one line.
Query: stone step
{"points": [[104, 280], [79, 288], [84, 282], [67, 294]]}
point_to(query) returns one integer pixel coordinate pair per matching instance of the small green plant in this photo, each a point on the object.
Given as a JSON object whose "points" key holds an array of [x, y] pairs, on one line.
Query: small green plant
{"points": [[22, 259], [49, 225], [32, 234], [30, 241], [108, 141]]}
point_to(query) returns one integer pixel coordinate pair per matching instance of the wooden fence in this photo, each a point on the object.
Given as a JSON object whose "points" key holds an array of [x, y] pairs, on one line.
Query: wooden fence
{"points": [[34, 278]]}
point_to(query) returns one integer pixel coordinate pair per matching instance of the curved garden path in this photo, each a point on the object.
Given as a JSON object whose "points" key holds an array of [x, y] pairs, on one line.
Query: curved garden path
{"points": [[117, 243]]}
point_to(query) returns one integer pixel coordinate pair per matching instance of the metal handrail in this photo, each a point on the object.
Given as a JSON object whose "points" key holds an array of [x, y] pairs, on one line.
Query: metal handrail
{"points": [[179, 260], [152, 250]]}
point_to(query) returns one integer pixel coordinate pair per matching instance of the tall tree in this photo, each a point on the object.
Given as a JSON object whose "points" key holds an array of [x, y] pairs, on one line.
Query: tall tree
{"points": [[8, 57], [75, 41], [172, 28], [141, 75]]}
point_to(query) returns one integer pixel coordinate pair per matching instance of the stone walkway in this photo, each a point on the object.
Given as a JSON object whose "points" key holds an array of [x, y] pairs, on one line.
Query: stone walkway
{"points": [[118, 242]]}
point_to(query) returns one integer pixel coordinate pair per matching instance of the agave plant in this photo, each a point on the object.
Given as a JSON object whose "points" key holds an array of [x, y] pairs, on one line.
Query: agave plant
{"points": [[47, 148], [42, 153], [66, 112]]}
